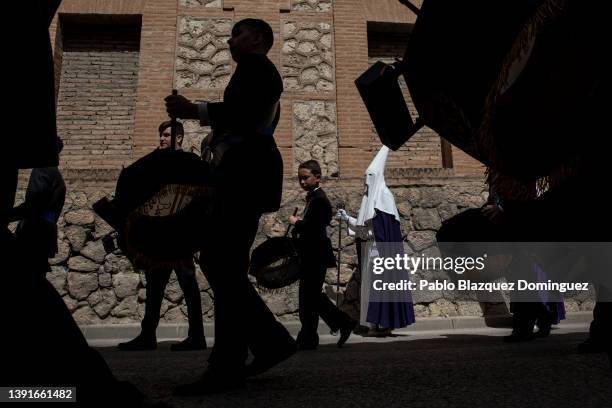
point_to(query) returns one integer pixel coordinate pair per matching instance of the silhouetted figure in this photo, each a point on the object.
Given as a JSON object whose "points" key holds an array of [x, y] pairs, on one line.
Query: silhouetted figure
{"points": [[600, 331], [378, 233], [248, 175], [47, 347], [316, 255], [157, 280], [38, 215]]}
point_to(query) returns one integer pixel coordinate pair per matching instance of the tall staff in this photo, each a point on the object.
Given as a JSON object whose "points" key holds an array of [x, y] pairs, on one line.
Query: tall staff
{"points": [[173, 127], [340, 206]]}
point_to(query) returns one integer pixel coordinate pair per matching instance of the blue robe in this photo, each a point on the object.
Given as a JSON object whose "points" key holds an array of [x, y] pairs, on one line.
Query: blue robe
{"points": [[391, 314]]}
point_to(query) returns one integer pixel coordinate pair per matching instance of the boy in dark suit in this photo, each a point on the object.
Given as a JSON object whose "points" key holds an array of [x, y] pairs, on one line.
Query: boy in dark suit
{"points": [[316, 256]]}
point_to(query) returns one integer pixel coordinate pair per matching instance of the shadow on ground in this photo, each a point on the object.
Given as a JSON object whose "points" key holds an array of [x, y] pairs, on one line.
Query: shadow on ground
{"points": [[449, 371]]}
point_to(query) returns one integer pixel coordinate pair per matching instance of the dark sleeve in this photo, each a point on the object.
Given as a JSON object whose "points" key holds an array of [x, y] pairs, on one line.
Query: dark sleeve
{"points": [[254, 88], [19, 212], [37, 197], [47, 10], [317, 217], [39, 147]]}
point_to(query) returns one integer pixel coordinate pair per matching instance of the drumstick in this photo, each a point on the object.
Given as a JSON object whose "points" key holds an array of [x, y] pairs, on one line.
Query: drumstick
{"points": [[289, 226], [411, 6], [173, 127]]}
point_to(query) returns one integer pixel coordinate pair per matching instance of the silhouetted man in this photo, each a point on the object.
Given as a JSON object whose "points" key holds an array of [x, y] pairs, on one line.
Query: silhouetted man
{"points": [[49, 348], [157, 280], [38, 215], [248, 174]]}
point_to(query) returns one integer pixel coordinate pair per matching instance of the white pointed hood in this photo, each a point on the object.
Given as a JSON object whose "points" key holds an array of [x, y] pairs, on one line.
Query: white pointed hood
{"points": [[378, 196]]}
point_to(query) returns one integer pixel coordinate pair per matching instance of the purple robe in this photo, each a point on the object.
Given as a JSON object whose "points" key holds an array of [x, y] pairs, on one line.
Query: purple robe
{"points": [[391, 314], [557, 308]]}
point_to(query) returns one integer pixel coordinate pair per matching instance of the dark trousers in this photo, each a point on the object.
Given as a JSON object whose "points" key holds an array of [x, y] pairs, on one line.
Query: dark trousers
{"points": [[63, 357], [315, 304], [157, 280], [242, 320], [526, 314], [601, 326], [8, 187]]}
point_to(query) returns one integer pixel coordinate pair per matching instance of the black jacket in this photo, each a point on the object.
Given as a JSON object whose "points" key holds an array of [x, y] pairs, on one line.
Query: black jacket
{"points": [[314, 246], [250, 99], [39, 213]]}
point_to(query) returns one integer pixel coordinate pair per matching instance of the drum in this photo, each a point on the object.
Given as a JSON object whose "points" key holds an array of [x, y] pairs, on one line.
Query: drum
{"points": [[517, 84], [161, 208], [275, 263], [381, 93]]}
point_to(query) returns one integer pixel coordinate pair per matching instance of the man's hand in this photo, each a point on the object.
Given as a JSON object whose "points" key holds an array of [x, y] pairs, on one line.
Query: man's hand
{"points": [[293, 219], [492, 212], [180, 107]]}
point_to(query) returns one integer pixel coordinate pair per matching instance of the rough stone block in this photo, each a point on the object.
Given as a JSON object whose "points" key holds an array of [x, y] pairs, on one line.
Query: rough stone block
{"points": [[312, 5], [426, 219], [315, 135], [203, 59], [126, 284], [63, 252], [128, 307], [201, 3], [77, 235], [94, 250], [82, 264], [117, 264], [58, 278], [80, 217], [80, 285], [85, 315]]}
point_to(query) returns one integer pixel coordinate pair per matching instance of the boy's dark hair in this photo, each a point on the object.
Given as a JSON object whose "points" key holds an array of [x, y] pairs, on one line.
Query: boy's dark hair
{"points": [[313, 166], [261, 27], [180, 131]]}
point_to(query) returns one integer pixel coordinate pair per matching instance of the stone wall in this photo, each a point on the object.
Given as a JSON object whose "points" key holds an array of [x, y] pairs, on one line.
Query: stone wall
{"points": [[104, 288], [315, 136], [307, 56], [311, 5], [201, 3]]}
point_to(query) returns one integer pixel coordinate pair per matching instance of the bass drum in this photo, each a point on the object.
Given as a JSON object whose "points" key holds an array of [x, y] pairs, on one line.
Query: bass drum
{"points": [[161, 208], [516, 84], [275, 263]]}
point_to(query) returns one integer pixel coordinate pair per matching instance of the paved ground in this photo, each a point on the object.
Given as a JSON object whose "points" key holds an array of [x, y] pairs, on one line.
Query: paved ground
{"points": [[469, 368]]}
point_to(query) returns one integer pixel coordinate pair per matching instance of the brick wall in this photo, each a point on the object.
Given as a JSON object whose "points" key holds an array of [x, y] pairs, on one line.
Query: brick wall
{"points": [[351, 50], [97, 93], [385, 43]]}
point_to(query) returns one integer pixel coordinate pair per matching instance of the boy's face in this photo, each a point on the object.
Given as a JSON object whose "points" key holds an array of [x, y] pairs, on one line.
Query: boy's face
{"points": [[308, 181], [244, 40]]}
